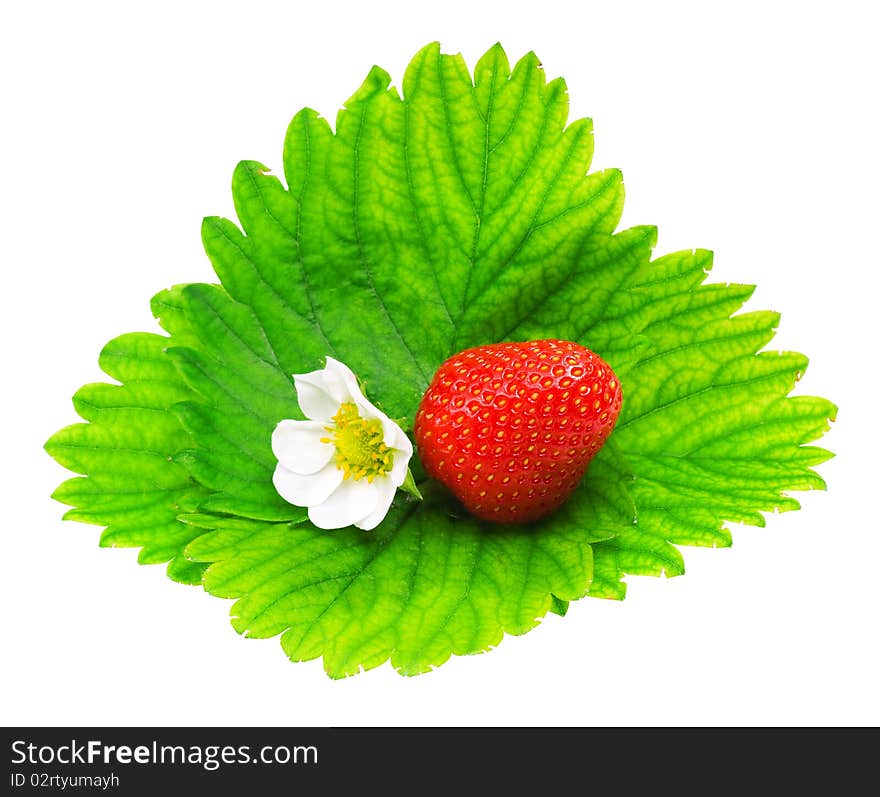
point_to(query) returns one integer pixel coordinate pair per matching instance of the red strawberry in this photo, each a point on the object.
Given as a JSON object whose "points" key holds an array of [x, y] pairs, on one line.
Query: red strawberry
{"points": [[510, 428]]}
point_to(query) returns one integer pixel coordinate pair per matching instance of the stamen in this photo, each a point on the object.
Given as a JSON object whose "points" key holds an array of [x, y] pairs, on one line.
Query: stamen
{"points": [[360, 448]]}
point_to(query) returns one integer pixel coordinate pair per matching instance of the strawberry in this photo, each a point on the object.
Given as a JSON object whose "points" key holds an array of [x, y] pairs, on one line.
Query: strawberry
{"points": [[510, 428]]}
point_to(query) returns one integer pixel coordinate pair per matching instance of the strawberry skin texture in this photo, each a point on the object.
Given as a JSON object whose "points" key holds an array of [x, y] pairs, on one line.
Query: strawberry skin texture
{"points": [[510, 428]]}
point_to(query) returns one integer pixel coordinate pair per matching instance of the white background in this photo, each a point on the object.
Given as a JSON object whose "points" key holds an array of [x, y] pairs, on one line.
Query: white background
{"points": [[749, 129]]}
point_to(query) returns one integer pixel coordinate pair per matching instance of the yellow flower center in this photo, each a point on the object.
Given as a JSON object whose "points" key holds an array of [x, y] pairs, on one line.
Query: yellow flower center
{"points": [[360, 450]]}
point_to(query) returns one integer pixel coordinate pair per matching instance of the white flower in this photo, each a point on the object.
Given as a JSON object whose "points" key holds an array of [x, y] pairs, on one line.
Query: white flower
{"points": [[346, 462]]}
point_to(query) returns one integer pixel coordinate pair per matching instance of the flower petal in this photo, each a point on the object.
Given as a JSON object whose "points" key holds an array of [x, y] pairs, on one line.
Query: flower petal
{"points": [[385, 495], [352, 501], [297, 445], [318, 397], [308, 490], [397, 474], [396, 438], [340, 374]]}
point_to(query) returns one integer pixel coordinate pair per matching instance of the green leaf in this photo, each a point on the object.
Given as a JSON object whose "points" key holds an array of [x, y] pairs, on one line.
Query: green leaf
{"points": [[243, 394], [426, 585], [707, 424], [134, 488], [458, 214]]}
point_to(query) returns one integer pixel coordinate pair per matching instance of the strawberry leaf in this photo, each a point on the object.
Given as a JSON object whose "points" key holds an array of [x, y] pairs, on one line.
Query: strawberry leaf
{"points": [[707, 424], [134, 488], [426, 585], [457, 215]]}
